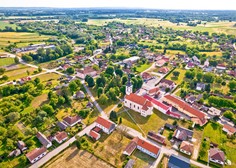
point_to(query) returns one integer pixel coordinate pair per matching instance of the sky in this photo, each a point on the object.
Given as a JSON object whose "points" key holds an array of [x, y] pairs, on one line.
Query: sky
{"points": [[153, 4]]}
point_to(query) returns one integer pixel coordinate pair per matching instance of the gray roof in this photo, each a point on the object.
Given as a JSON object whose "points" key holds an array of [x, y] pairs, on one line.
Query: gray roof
{"points": [[176, 162], [61, 125]]}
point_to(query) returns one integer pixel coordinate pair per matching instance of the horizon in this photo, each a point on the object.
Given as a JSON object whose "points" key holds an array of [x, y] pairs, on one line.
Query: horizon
{"points": [[132, 4]]}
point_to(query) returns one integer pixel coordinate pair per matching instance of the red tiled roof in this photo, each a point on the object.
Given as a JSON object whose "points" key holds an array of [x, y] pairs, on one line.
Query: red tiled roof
{"points": [[200, 115], [230, 128], [168, 82], [35, 153], [71, 120], [138, 99], [186, 146], [164, 70], [61, 135], [93, 134], [148, 146], [154, 90], [146, 75], [104, 122], [130, 147], [217, 154], [97, 129], [157, 137], [156, 102]]}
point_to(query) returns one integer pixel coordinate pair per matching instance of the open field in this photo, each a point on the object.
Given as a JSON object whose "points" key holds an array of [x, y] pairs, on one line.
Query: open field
{"points": [[213, 133], [3, 24], [180, 78], [6, 61], [110, 147], [218, 27], [72, 157], [141, 159], [7, 38], [143, 67]]}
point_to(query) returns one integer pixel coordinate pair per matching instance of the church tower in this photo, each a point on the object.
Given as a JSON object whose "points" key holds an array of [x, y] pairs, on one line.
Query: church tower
{"points": [[129, 86]]}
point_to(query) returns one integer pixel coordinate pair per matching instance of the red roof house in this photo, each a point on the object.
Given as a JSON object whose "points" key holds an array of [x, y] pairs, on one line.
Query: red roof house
{"points": [[106, 125]]}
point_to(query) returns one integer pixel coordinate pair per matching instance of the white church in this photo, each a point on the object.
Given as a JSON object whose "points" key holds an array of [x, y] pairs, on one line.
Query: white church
{"points": [[136, 102]]}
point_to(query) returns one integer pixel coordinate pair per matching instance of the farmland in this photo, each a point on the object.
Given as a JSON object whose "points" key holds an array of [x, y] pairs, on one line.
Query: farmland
{"points": [[6, 61], [3, 24]]}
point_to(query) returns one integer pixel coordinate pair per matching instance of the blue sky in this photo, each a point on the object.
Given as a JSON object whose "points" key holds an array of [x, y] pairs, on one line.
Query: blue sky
{"points": [[157, 4]]}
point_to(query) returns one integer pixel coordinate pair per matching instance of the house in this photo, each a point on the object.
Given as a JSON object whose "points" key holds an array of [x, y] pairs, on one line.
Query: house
{"points": [[157, 137], [230, 130], [183, 134], [213, 111], [190, 99], [61, 125], [195, 115], [138, 104], [232, 73], [146, 76], [196, 61], [21, 145], [131, 60], [142, 145], [65, 67], [82, 73], [158, 105], [79, 95], [167, 84], [221, 67], [94, 135], [216, 156], [163, 70], [60, 137], [160, 62], [154, 92], [43, 139], [15, 153], [190, 65], [177, 162], [200, 86], [186, 147], [106, 125], [206, 63], [72, 120], [36, 154]]}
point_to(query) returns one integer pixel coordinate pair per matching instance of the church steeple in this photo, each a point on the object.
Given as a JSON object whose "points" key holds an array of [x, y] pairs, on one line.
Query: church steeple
{"points": [[129, 86]]}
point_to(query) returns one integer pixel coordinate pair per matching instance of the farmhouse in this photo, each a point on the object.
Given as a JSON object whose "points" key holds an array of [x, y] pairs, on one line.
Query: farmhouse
{"points": [[216, 156], [164, 70], [36, 154], [146, 76], [154, 92], [167, 83], [195, 115], [21, 145], [142, 145], [221, 67], [229, 129], [72, 121], [82, 73], [106, 125], [94, 135], [43, 139], [156, 137], [183, 134]]}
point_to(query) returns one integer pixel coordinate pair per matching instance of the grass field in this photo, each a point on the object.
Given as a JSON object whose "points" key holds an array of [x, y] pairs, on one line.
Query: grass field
{"points": [[3, 24], [72, 157], [218, 27], [6, 61], [180, 78], [213, 133], [6, 38], [143, 67], [39, 100], [52, 77], [141, 159], [19, 73]]}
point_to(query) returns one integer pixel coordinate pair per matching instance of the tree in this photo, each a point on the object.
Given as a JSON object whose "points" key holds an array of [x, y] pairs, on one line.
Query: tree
{"points": [[99, 91], [113, 116], [90, 81], [16, 59], [40, 69], [100, 82], [70, 70], [73, 86], [190, 74], [199, 76], [232, 85], [48, 108], [176, 73], [208, 77], [13, 117], [10, 144], [37, 81], [110, 70], [103, 99], [119, 72], [2, 70]]}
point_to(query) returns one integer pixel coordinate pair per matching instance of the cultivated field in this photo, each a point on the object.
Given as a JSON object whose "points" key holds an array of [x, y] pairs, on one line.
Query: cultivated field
{"points": [[218, 27], [6, 61], [72, 157]]}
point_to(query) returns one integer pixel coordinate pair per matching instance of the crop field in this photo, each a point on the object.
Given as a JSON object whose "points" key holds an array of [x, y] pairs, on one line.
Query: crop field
{"points": [[217, 27], [6, 61], [6, 38], [72, 157]]}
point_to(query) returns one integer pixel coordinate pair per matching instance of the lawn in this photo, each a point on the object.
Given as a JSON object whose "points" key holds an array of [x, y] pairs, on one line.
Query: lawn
{"points": [[213, 133], [52, 77], [180, 78], [6, 61], [39, 100], [3, 24], [110, 147], [72, 157], [141, 159], [143, 67]]}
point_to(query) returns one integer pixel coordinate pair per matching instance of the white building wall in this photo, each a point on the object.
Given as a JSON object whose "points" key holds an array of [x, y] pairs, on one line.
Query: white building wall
{"points": [[147, 152], [39, 157]]}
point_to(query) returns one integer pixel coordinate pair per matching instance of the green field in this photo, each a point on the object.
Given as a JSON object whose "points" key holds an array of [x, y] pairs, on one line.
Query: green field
{"points": [[6, 61], [218, 27], [7, 38], [3, 24]]}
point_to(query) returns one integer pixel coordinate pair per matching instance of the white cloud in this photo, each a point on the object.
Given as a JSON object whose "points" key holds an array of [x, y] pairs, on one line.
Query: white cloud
{"points": [[157, 4]]}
